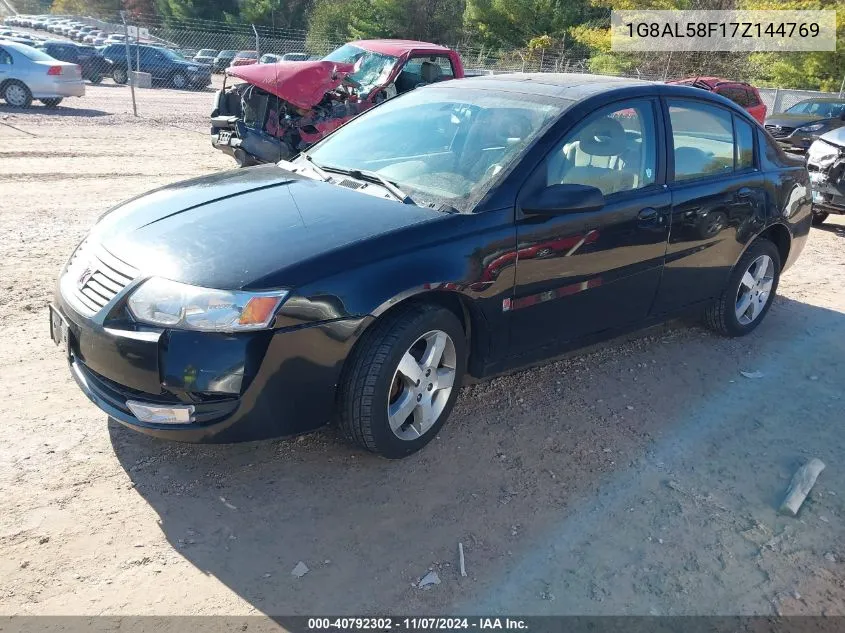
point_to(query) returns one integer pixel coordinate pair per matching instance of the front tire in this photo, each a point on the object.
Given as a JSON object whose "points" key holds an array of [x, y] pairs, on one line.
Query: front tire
{"points": [[52, 103], [402, 379], [749, 293], [17, 95]]}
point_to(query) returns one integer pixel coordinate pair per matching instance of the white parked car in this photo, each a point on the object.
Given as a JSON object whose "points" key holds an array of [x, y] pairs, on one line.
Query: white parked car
{"points": [[27, 73]]}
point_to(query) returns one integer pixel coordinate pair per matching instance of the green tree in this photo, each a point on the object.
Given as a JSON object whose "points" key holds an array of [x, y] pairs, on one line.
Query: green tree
{"points": [[515, 22]]}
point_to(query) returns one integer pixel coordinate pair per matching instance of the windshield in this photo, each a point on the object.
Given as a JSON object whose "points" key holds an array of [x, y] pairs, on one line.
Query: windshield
{"points": [[227, 53], [444, 144], [171, 54], [374, 67], [206, 52], [827, 109], [248, 55]]}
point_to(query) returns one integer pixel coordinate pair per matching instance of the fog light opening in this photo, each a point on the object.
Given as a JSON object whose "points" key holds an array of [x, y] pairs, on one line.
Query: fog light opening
{"points": [[156, 414]]}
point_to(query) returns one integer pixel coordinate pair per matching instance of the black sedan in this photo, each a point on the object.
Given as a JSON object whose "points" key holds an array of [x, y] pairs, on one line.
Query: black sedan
{"points": [[94, 66], [466, 227], [800, 125]]}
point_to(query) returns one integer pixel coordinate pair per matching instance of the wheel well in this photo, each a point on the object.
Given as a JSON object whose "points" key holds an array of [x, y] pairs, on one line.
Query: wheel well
{"points": [[9, 81], [468, 316], [778, 235]]}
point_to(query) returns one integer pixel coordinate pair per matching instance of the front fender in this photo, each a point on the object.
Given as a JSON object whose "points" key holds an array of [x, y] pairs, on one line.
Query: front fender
{"points": [[461, 259]]}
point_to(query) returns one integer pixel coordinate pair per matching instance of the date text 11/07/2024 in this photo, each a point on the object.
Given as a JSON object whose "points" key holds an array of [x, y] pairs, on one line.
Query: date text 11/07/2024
{"points": [[722, 29], [416, 624]]}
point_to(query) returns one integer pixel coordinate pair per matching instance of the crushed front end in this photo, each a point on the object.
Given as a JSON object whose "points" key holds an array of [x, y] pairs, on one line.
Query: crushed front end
{"points": [[265, 120]]}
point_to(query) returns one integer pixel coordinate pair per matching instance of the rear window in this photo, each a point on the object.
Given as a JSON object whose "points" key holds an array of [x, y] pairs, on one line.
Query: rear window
{"points": [[248, 54], [34, 54]]}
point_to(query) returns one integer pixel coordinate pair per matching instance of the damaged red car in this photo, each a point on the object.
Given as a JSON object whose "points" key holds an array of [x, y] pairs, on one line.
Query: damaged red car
{"points": [[277, 110]]}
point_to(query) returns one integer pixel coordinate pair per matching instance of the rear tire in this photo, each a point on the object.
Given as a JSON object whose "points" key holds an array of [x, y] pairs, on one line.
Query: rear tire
{"points": [[120, 76], [95, 78], [384, 410], [17, 95], [819, 217], [52, 103], [749, 292]]}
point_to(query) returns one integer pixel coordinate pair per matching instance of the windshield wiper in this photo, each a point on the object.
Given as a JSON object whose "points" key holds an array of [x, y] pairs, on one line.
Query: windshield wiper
{"points": [[367, 176], [320, 172]]}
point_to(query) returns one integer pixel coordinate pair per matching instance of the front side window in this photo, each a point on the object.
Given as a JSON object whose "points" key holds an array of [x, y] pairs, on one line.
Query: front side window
{"points": [[5, 58], [613, 150], [702, 136], [441, 144]]}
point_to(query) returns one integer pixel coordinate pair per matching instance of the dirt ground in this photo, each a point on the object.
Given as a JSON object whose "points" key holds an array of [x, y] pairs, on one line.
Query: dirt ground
{"points": [[640, 477]]}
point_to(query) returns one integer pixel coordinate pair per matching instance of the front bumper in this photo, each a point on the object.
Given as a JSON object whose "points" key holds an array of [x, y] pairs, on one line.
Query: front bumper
{"points": [[245, 386], [828, 187]]}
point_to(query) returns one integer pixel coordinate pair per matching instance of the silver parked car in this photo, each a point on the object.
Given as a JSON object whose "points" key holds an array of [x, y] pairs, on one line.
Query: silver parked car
{"points": [[27, 73]]}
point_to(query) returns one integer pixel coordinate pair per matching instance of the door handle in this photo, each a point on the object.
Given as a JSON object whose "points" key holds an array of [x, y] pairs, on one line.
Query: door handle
{"points": [[649, 214], [744, 192]]}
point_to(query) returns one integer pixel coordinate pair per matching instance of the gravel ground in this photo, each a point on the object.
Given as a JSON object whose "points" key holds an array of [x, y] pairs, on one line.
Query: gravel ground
{"points": [[641, 476]]}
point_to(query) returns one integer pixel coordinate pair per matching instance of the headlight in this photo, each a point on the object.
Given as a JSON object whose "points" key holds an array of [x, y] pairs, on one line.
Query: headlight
{"points": [[171, 304], [811, 128]]}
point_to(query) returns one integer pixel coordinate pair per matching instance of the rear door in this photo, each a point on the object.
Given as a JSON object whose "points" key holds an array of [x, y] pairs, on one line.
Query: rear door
{"points": [[718, 199]]}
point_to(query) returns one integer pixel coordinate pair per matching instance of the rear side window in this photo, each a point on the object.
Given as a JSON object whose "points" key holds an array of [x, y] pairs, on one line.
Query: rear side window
{"points": [[735, 94], [753, 99], [744, 144], [703, 141], [442, 71]]}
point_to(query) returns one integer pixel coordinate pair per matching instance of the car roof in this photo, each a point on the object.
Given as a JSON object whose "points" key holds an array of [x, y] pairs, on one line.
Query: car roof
{"points": [[396, 47], [574, 86]]}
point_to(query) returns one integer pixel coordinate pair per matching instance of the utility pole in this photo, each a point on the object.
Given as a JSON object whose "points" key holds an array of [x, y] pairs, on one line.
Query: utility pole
{"points": [[257, 49], [129, 77]]}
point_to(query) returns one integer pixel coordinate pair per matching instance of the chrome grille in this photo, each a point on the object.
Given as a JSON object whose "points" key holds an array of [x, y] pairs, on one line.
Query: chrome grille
{"points": [[94, 277], [779, 131]]}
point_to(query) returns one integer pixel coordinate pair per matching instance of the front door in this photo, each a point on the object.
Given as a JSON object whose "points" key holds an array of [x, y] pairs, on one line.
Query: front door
{"points": [[579, 274]]}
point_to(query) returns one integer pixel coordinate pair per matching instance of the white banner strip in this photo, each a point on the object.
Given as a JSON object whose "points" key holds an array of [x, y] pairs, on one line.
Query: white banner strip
{"points": [[734, 31]]}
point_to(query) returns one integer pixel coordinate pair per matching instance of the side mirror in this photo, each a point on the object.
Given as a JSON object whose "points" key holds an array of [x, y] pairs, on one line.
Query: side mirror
{"points": [[562, 199]]}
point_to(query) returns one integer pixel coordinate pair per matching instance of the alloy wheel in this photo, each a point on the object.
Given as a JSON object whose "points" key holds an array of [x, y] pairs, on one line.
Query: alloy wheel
{"points": [[754, 290], [421, 385]]}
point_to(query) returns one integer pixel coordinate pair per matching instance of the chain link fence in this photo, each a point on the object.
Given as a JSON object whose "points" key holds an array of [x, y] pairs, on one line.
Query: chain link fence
{"points": [[218, 43]]}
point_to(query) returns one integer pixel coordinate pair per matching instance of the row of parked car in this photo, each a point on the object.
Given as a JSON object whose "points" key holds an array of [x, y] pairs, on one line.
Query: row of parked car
{"points": [[69, 27], [221, 60]]}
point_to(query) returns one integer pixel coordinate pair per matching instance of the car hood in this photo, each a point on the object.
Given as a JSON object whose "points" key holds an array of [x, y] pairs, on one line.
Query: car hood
{"points": [[835, 137], [237, 228], [792, 120], [304, 84]]}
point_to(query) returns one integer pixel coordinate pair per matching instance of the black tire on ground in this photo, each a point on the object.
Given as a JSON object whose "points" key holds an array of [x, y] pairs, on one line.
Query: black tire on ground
{"points": [[95, 78], [721, 316], [819, 217], [368, 375], [119, 75], [16, 94], [51, 103]]}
